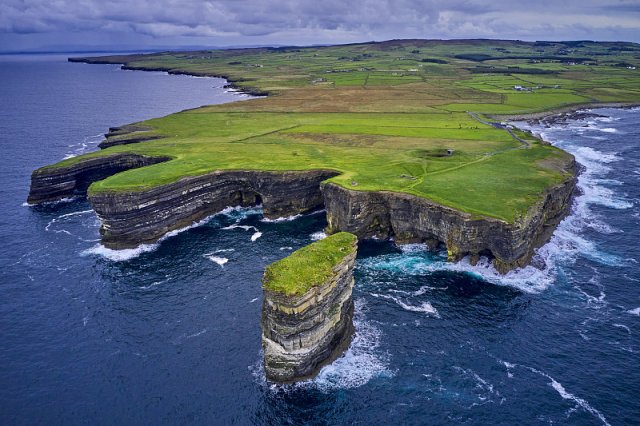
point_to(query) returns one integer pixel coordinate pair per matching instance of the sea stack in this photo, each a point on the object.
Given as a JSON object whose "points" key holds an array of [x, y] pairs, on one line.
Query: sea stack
{"points": [[307, 313]]}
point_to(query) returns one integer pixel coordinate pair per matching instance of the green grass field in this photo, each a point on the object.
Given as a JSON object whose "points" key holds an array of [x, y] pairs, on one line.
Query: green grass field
{"points": [[382, 114], [309, 266]]}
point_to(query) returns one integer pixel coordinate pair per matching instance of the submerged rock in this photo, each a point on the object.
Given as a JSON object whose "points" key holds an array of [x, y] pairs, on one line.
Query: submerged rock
{"points": [[307, 312]]}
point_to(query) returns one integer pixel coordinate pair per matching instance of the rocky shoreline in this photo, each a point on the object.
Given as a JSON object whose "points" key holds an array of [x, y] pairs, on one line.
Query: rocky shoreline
{"points": [[566, 112], [131, 218], [410, 219], [231, 83], [54, 184]]}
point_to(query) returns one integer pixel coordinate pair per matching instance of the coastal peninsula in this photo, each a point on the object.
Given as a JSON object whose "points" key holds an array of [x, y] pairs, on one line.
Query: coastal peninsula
{"points": [[395, 139]]}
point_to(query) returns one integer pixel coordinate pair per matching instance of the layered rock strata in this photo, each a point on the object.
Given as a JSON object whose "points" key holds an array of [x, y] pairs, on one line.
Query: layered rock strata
{"points": [[410, 219], [55, 183], [128, 134], [131, 218], [303, 333]]}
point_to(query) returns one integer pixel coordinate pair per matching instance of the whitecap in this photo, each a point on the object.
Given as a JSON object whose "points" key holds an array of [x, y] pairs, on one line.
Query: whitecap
{"points": [[581, 402], [119, 255], [153, 284], [558, 387], [635, 311], [362, 362], [318, 236], [424, 307], [281, 219], [256, 235], [199, 333], [413, 248], [132, 253], [624, 327], [245, 227], [238, 212], [219, 260]]}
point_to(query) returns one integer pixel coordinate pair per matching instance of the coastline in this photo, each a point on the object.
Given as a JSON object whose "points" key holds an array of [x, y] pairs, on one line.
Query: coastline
{"points": [[571, 109], [511, 245], [230, 83]]}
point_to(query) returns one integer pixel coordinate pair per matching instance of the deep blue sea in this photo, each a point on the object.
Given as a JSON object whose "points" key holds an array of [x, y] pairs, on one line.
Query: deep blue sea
{"points": [[172, 335]]}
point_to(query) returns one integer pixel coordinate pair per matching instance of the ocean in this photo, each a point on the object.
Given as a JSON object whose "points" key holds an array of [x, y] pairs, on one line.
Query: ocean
{"points": [[171, 334]]}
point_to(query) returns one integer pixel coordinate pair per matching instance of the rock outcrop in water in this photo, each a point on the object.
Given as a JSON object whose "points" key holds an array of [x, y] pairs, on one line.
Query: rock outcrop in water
{"points": [[408, 218], [303, 332]]}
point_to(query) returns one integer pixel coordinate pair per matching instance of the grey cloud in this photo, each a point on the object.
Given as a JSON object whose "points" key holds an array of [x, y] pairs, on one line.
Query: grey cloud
{"points": [[323, 20]]}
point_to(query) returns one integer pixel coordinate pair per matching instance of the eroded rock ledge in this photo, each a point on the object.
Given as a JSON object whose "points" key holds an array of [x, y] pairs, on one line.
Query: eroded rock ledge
{"points": [[411, 219], [307, 312], [136, 217], [55, 183], [131, 218]]}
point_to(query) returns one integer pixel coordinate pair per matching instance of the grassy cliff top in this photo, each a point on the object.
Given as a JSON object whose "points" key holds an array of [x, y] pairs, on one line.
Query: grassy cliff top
{"points": [[388, 116], [309, 266]]}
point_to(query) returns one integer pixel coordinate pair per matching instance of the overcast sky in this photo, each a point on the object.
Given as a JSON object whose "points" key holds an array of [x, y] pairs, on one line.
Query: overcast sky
{"points": [[29, 24]]}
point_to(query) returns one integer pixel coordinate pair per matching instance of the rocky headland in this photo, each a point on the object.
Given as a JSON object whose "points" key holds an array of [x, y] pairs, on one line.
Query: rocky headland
{"points": [[50, 184], [410, 219], [131, 218], [307, 318]]}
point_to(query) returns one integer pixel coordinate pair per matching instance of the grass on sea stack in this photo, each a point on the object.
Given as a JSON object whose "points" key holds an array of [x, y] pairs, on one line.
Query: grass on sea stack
{"points": [[309, 266]]}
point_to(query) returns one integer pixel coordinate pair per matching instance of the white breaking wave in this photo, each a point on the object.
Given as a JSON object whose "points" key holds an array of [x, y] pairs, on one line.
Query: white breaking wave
{"points": [[635, 311], [290, 218], [119, 255], [219, 260], [256, 234], [132, 253], [89, 143], [565, 246], [424, 307], [281, 219], [558, 387], [128, 254], [51, 203], [318, 236], [362, 362]]}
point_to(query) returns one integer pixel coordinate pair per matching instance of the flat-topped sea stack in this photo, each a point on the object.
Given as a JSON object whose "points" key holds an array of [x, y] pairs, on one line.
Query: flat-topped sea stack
{"points": [[307, 312], [394, 139]]}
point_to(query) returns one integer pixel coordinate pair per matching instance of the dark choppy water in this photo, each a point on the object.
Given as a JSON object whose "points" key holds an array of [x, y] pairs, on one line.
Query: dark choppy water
{"points": [[172, 335]]}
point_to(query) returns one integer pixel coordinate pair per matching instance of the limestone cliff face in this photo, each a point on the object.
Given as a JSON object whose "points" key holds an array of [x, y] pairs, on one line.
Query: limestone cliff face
{"points": [[136, 217], [54, 184], [132, 218], [408, 218], [301, 334]]}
